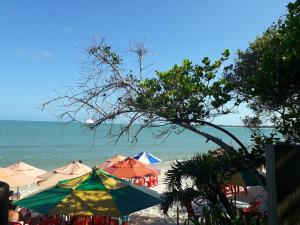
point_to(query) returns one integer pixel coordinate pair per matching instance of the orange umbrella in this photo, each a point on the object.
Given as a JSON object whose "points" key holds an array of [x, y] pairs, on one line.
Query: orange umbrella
{"points": [[24, 168], [130, 168], [15, 179], [69, 171], [111, 161]]}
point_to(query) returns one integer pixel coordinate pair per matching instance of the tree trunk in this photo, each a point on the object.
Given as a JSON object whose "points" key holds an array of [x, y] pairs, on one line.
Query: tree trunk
{"points": [[225, 202], [226, 132], [216, 140]]}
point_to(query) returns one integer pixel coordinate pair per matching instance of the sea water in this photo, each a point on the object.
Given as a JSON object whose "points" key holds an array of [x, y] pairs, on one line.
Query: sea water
{"points": [[49, 145]]}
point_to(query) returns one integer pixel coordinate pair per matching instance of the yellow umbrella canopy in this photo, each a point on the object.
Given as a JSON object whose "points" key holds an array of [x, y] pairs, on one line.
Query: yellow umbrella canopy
{"points": [[69, 171], [24, 168], [15, 179]]}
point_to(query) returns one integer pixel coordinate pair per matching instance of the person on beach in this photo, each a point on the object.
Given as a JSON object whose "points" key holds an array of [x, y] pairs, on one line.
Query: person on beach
{"points": [[14, 215]]}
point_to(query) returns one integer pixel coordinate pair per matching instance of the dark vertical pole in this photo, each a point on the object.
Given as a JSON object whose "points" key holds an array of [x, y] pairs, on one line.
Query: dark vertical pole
{"points": [[4, 200], [271, 184], [283, 183]]}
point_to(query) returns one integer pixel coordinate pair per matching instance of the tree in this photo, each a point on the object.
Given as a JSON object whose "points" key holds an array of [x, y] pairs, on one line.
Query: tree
{"points": [[207, 174], [187, 96], [267, 76]]}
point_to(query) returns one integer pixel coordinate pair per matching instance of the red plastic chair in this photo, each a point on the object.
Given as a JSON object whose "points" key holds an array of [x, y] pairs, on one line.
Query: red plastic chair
{"points": [[141, 182], [227, 190], [155, 180], [252, 210], [80, 220], [150, 182], [51, 221], [113, 221], [100, 220]]}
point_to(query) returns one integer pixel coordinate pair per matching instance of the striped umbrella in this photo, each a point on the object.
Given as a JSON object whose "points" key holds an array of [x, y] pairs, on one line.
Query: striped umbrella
{"points": [[95, 193], [147, 158]]}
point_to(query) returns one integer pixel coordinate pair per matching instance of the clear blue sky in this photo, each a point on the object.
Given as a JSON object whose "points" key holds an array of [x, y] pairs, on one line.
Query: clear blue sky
{"points": [[42, 42]]}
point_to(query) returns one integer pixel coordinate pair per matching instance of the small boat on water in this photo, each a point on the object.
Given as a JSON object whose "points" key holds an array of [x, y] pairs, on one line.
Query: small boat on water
{"points": [[90, 122]]}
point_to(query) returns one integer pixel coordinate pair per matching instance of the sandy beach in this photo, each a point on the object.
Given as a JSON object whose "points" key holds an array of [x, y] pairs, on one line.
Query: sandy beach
{"points": [[154, 215]]}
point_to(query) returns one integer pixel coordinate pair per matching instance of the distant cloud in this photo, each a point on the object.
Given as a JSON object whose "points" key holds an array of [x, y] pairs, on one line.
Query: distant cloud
{"points": [[33, 53], [67, 28]]}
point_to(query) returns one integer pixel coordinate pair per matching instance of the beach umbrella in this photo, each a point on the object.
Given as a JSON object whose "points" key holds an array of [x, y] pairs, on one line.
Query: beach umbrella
{"points": [[95, 193], [69, 171], [111, 161], [246, 178], [15, 179], [24, 168], [147, 158], [130, 168]]}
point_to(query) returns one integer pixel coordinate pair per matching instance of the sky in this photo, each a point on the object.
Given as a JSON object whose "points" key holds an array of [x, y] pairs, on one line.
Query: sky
{"points": [[42, 43]]}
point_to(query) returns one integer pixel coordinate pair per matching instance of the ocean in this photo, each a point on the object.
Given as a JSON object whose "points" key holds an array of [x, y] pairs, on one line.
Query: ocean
{"points": [[49, 145]]}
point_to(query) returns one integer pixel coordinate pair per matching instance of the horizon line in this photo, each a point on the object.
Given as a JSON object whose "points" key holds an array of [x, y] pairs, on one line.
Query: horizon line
{"points": [[57, 121]]}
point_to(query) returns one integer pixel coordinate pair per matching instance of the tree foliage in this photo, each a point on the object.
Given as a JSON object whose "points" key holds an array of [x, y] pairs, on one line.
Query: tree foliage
{"points": [[202, 178], [187, 96], [267, 75]]}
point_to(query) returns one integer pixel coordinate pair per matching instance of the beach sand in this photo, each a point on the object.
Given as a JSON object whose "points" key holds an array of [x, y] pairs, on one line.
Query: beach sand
{"points": [[154, 215]]}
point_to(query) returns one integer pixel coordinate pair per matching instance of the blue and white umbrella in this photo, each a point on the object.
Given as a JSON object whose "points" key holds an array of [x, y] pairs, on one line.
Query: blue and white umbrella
{"points": [[147, 158]]}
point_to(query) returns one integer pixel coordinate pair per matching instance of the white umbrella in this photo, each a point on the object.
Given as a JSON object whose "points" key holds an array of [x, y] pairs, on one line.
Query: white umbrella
{"points": [[15, 179], [69, 171], [24, 168]]}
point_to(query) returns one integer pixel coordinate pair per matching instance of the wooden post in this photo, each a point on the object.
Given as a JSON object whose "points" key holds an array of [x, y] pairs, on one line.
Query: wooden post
{"points": [[283, 184], [271, 187], [4, 201]]}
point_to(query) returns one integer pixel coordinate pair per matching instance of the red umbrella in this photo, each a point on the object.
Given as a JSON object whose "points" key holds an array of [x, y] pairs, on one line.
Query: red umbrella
{"points": [[130, 168]]}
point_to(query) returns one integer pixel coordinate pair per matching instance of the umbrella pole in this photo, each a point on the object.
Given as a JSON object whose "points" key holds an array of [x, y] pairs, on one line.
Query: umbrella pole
{"points": [[18, 193], [235, 199]]}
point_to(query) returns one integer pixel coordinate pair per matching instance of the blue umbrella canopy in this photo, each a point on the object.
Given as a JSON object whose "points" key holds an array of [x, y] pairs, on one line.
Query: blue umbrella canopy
{"points": [[147, 158]]}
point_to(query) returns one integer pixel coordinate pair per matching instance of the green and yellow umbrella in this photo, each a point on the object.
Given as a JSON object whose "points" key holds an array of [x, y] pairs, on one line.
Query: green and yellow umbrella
{"points": [[95, 193], [246, 178]]}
